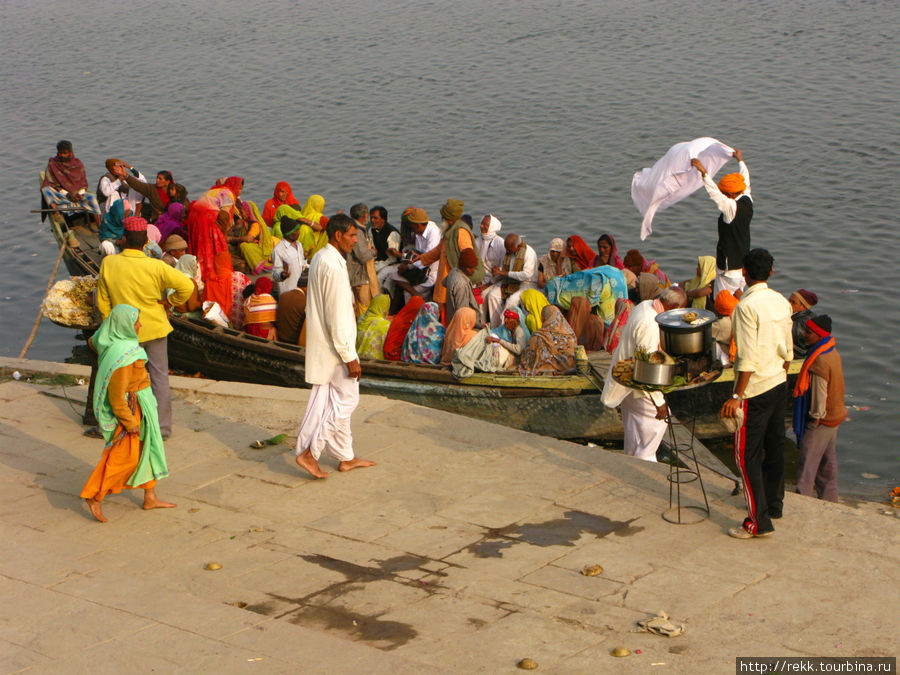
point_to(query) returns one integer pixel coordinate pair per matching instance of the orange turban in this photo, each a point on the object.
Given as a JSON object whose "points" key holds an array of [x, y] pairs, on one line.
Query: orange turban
{"points": [[725, 303], [732, 183]]}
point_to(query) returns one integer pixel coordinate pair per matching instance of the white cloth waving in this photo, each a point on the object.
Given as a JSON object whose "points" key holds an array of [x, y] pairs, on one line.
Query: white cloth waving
{"points": [[673, 178]]}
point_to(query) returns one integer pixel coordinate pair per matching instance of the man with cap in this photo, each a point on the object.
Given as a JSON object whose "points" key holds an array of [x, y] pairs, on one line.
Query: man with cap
{"points": [[802, 302], [732, 196], [427, 237], [288, 261], [175, 247], [517, 273], [459, 286], [818, 411], [555, 263], [457, 236], [761, 323], [133, 278]]}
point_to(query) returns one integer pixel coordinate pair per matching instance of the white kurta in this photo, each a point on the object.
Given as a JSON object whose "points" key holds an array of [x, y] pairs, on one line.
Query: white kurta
{"points": [[330, 343], [527, 278], [673, 178], [289, 252], [643, 432]]}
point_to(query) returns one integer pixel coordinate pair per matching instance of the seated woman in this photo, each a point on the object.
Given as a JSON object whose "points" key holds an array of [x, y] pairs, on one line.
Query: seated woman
{"points": [[533, 301], [646, 285], [425, 338], [581, 254], [511, 340], [313, 236], [372, 328], [700, 289], [460, 330], [614, 330], [252, 236], [187, 264], [282, 196], [607, 253], [259, 310], [112, 229], [638, 264], [587, 326], [396, 335], [172, 221], [555, 264], [551, 349]]}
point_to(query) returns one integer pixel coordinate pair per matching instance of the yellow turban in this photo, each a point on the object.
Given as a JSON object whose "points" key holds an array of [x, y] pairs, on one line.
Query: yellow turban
{"points": [[732, 183]]}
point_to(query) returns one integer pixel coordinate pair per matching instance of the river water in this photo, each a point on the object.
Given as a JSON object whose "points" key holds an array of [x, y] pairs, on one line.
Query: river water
{"points": [[539, 112]]}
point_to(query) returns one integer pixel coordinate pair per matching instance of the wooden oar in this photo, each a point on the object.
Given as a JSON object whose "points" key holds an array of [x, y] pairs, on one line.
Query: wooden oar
{"points": [[37, 321]]}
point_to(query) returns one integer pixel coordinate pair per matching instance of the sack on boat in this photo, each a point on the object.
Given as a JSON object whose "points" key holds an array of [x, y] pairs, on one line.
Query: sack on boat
{"points": [[213, 312], [71, 302]]}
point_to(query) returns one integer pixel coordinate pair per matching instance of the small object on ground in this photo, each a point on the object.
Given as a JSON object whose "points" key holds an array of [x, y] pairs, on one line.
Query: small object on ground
{"points": [[256, 445], [239, 604], [592, 570], [619, 652], [870, 476], [527, 664], [212, 566], [193, 510], [258, 529], [80, 382], [17, 375], [660, 625], [638, 651], [276, 440], [253, 660]]}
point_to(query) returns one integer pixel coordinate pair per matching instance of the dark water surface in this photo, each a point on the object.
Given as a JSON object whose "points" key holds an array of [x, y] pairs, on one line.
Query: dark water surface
{"points": [[538, 112]]}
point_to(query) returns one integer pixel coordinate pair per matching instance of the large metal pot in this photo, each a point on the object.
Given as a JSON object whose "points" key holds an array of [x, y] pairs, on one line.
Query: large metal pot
{"points": [[653, 373], [682, 338]]}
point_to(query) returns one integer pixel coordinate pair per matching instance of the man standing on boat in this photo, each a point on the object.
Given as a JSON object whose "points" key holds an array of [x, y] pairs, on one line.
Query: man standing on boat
{"points": [[762, 333], [732, 196], [643, 413], [332, 364], [65, 184], [133, 278]]}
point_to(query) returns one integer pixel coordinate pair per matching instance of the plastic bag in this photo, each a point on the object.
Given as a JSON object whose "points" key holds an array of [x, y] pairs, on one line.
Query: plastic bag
{"points": [[213, 312]]}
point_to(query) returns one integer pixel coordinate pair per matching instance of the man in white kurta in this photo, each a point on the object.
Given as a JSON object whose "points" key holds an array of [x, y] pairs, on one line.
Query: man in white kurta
{"points": [[643, 413], [332, 365], [494, 301]]}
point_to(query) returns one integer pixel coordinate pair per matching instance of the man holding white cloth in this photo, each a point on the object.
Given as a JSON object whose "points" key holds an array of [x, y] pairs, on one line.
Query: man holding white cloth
{"points": [[643, 413], [332, 364]]}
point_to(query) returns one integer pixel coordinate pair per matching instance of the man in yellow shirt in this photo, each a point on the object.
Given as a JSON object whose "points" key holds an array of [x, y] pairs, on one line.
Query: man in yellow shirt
{"points": [[132, 278]]}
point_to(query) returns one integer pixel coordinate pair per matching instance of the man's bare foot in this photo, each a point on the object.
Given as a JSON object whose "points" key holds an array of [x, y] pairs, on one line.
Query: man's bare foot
{"points": [[96, 510], [355, 463], [151, 501], [306, 461]]}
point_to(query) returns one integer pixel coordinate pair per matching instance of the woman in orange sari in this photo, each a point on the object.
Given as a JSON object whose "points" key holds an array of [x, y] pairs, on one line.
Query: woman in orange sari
{"points": [[460, 330], [208, 221], [134, 456]]}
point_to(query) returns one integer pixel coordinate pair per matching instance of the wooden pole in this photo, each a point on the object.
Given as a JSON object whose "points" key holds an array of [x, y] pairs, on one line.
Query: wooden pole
{"points": [[37, 321]]}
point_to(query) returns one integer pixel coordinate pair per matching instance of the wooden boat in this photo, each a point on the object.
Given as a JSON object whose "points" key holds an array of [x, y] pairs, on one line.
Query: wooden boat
{"points": [[566, 406]]}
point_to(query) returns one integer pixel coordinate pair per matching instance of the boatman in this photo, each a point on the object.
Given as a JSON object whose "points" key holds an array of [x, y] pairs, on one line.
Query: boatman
{"points": [[818, 411], [133, 278], [761, 322], [65, 184], [732, 196], [332, 365], [643, 413]]}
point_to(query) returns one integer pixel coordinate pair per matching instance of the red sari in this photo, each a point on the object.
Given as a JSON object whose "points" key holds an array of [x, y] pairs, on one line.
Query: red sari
{"points": [[393, 341], [581, 254], [207, 241]]}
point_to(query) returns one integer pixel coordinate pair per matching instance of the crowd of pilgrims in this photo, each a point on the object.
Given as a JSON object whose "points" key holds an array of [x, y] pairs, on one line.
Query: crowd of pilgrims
{"points": [[447, 290]]}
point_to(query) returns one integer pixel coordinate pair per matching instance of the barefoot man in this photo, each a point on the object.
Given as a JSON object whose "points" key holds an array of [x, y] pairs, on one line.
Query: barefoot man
{"points": [[332, 365]]}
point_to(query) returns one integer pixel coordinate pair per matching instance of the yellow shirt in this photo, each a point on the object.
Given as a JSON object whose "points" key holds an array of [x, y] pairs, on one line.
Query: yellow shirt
{"points": [[132, 278], [762, 332]]}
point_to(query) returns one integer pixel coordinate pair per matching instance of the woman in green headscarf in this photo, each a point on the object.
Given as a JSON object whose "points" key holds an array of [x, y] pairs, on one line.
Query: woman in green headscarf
{"points": [[125, 407], [373, 327]]}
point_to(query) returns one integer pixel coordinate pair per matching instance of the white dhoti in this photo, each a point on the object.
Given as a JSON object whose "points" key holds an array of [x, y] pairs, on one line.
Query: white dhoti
{"points": [[731, 280], [495, 304], [326, 424], [643, 432]]}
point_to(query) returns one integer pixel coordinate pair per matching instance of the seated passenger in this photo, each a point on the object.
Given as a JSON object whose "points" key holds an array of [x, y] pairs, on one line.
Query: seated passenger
{"points": [[607, 253], [581, 254], [459, 286], [282, 195], [400, 325], [551, 348], [288, 261], [511, 339], [156, 196], [648, 266], [252, 236], [65, 184], [290, 316], [386, 238], [459, 332], [259, 310], [491, 247], [112, 187], [554, 264], [416, 278], [647, 285], [112, 229], [699, 289], [175, 247], [614, 330], [533, 301], [425, 338], [587, 326], [518, 273], [802, 302], [312, 236], [187, 264], [372, 328], [172, 221]]}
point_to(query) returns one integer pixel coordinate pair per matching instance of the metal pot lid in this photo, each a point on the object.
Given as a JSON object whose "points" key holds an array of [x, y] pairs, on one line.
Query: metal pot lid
{"points": [[674, 318]]}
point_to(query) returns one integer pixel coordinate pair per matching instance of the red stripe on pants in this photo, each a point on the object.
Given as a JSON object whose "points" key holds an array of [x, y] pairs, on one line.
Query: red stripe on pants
{"points": [[740, 443]]}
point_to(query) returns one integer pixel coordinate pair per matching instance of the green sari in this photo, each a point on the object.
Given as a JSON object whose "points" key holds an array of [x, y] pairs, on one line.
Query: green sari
{"points": [[117, 346]]}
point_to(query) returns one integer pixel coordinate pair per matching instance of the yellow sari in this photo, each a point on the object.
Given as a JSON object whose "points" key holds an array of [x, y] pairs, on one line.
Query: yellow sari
{"points": [[534, 302]]}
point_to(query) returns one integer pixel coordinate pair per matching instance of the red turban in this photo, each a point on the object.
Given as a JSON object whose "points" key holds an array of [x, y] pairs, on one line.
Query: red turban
{"points": [[510, 314], [732, 183], [135, 224], [468, 258]]}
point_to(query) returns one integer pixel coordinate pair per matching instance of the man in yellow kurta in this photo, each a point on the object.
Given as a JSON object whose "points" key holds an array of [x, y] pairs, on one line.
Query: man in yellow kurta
{"points": [[132, 278]]}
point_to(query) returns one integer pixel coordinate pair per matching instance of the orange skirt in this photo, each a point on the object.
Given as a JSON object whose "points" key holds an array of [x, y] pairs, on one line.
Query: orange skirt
{"points": [[118, 462]]}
